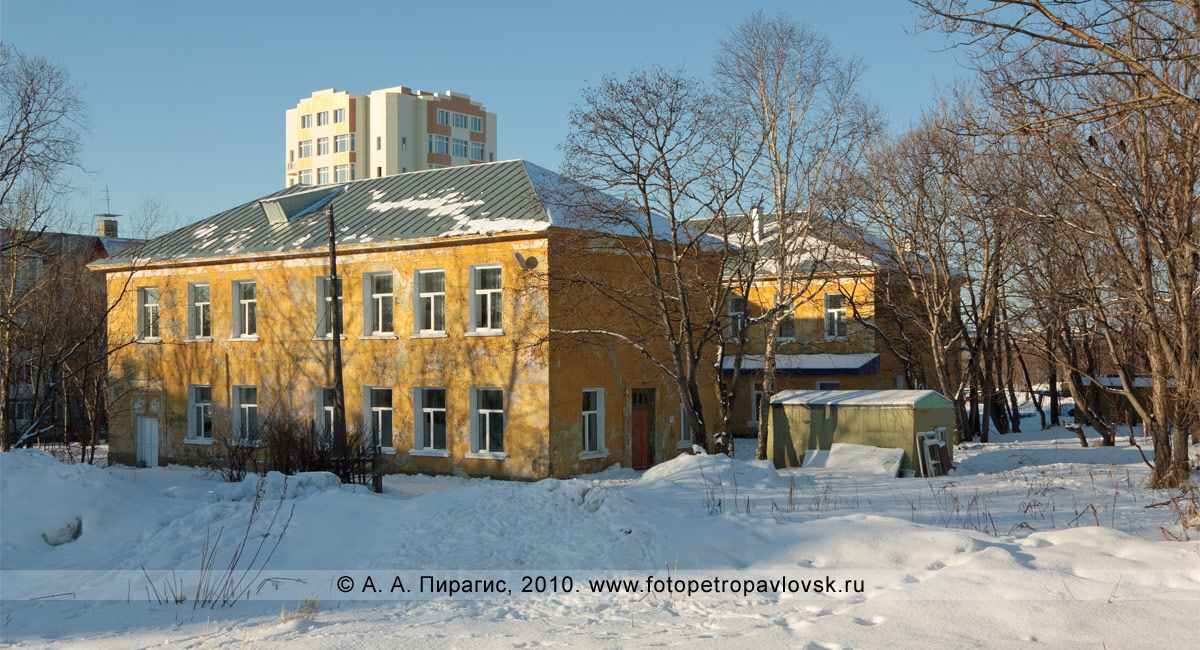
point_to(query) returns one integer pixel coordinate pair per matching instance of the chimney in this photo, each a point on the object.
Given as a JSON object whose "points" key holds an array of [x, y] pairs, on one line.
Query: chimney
{"points": [[107, 225], [756, 224]]}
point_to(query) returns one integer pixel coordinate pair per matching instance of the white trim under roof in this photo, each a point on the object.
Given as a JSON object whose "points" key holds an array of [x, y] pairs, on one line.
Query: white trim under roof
{"points": [[874, 398]]}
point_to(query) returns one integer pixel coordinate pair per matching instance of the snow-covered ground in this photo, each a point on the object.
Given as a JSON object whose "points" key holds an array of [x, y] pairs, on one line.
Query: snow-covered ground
{"points": [[1031, 539]]}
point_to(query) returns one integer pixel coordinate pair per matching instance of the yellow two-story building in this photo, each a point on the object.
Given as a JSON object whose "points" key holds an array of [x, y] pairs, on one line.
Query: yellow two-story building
{"points": [[448, 304]]}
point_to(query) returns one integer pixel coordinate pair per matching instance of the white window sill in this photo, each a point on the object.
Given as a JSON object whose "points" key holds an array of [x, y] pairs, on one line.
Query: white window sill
{"points": [[151, 339], [377, 337], [245, 443], [485, 333], [391, 451], [430, 335], [251, 338], [198, 339], [432, 453], [683, 444], [197, 441], [591, 455], [837, 338], [327, 337], [486, 455], [788, 339]]}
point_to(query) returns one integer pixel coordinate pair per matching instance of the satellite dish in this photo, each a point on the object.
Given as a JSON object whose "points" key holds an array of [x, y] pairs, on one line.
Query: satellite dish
{"points": [[526, 263]]}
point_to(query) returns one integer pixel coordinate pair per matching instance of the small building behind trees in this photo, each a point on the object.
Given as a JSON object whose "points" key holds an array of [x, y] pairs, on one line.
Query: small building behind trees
{"points": [[801, 420]]}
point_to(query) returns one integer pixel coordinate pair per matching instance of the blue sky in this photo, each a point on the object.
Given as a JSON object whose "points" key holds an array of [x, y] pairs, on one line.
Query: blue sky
{"points": [[185, 101]]}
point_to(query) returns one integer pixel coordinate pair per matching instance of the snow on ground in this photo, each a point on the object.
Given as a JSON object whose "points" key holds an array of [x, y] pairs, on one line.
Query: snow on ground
{"points": [[1032, 538]]}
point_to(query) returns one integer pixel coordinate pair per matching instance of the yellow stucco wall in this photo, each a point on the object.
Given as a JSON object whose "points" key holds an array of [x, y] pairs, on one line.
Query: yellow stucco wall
{"points": [[287, 364]]}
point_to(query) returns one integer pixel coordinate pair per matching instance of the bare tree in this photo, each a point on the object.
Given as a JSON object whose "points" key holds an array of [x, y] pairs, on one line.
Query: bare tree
{"points": [[1031, 46], [646, 150], [42, 118], [797, 99]]}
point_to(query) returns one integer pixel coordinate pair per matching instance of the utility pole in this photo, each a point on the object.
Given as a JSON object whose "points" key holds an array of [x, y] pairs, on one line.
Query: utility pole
{"points": [[339, 394]]}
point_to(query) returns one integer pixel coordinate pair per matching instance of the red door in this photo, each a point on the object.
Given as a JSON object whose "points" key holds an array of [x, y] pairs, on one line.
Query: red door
{"points": [[642, 457]]}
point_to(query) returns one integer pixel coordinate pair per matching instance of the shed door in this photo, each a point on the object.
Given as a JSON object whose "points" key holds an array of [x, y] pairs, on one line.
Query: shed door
{"points": [[642, 427], [147, 442]]}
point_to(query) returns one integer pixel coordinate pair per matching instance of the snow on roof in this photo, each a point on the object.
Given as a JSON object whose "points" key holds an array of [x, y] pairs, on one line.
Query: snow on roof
{"points": [[863, 363], [502, 197], [1115, 382], [877, 398]]}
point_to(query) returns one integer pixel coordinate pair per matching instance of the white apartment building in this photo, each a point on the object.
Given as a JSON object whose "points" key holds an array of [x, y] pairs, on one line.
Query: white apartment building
{"points": [[335, 136]]}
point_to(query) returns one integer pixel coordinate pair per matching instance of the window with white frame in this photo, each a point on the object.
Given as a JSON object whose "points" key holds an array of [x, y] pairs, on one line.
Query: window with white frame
{"points": [[323, 176], [736, 312], [322, 118], [477, 151], [305, 148], [343, 143], [835, 315], [593, 420], [756, 398], [829, 385], [200, 412], [685, 431], [245, 309], [488, 420], [430, 417], [898, 382], [148, 313], [304, 177], [199, 311], [443, 117], [322, 146], [458, 148], [22, 410], [343, 173], [379, 414], [245, 410], [306, 121], [460, 120], [339, 115], [486, 299], [326, 397], [431, 301], [439, 144], [787, 327], [477, 124], [378, 304], [325, 304]]}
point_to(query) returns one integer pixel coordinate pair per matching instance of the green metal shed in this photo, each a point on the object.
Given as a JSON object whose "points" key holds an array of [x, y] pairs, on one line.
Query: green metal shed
{"points": [[815, 419]]}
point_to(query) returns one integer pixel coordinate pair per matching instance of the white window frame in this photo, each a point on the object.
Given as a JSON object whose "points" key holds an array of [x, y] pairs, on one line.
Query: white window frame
{"points": [[149, 321], [306, 121], [324, 313], [599, 449], [443, 117], [737, 318], [242, 307], [789, 317], [199, 312], [423, 417], [373, 305], [439, 144], [323, 146], [428, 302], [756, 397], [339, 115], [199, 414], [324, 413], [343, 173], [481, 434], [477, 124], [243, 412], [322, 176], [459, 120], [373, 415], [479, 296], [459, 148], [835, 316], [304, 177], [685, 432], [304, 149], [477, 151], [322, 118]]}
